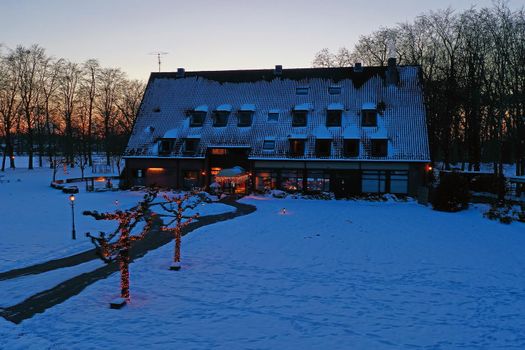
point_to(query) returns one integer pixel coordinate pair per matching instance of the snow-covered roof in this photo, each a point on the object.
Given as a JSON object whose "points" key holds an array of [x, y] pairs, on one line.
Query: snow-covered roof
{"points": [[297, 136], [201, 108], [248, 107], [303, 107], [336, 106], [321, 132], [224, 108], [168, 100], [171, 134], [368, 106]]}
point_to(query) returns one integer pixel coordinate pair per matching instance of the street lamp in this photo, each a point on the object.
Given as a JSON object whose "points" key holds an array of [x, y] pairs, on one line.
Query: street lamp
{"points": [[72, 201]]}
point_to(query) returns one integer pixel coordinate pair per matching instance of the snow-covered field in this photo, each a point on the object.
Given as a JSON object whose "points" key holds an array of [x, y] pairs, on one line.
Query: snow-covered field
{"points": [[325, 275], [36, 220]]}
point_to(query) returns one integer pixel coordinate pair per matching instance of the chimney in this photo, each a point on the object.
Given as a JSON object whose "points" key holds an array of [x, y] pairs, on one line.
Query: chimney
{"points": [[358, 68], [392, 75], [278, 71], [181, 72]]}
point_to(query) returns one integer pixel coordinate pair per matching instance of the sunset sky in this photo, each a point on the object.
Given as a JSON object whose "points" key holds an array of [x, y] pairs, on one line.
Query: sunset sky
{"points": [[202, 34]]}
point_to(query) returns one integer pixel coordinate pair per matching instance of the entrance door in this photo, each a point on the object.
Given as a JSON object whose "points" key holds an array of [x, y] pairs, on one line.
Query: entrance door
{"points": [[347, 183]]}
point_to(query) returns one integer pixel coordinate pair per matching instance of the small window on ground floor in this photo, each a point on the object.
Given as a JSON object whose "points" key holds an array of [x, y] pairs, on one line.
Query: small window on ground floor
{"points": [[265, 180], [190, 179]]}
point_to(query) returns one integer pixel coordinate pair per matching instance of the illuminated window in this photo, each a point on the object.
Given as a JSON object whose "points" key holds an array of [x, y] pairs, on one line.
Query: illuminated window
{"points": [[214, 171], [218, 151]]}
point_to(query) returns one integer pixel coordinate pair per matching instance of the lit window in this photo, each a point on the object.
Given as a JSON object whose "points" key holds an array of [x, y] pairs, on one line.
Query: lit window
{"points": [[301, 91], [218, 151], [269, 145]]}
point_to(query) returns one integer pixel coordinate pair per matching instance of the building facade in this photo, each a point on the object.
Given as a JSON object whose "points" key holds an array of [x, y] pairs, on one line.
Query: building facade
{"points": [[345, 130]]}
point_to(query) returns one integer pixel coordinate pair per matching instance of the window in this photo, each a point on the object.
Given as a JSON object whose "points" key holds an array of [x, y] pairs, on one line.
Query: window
{"points": [[333, 117], [292, 180], [318, 181], [218, 151], [323, 148], [273, 116], [245, 118], [220, 118], [265, 180], [379, 148], [351, 148], [296, 148], [190, 179], [299, 118], [138, 173], [269, 145], [301, 91], [165, 147], [369, 117], [334, 90], [373, 181], [190, 146], [197, 118], [399, 182]]}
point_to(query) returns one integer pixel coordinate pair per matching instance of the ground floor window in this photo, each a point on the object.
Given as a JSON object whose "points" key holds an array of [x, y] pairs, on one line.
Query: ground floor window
{"points": [[373, 181], [399, 182], [292, 180], [265, 180], [190, 179], [318, 181]]}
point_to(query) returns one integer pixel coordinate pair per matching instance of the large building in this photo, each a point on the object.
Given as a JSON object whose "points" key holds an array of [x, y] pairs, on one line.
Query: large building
{"points": [[345, 130]]}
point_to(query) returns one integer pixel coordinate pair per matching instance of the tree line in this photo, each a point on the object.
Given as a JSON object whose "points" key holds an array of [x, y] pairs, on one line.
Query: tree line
{"points": [[473, 77], [52, 107]]}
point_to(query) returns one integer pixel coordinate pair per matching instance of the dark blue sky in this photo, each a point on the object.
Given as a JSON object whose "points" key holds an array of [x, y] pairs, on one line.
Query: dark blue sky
{"points": [[202, 34]]}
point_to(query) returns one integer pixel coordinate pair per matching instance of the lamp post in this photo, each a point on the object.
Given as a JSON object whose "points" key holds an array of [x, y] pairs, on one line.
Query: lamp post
{"points": [[72, 201]]}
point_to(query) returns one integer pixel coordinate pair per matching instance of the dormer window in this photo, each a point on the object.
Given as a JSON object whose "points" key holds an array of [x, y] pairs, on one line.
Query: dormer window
{"points": [[323, 148], [351, 148], [245, 115], [166, 146], [297, 147], [273, 116], [379, 147], [333, 117], [299, 118], [221, 114], [334, 90], [301, 90], [369, 114], [197, 118], [220, 118], [269, 145], [191, 145]]}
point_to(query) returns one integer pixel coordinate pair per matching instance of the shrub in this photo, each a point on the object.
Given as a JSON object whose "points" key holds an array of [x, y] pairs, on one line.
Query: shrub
{"points": [[452, 193]]}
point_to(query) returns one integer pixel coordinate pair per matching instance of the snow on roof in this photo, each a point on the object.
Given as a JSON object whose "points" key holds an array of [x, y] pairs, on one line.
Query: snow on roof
{"points": [[224, 108], [368, 105], [336, 107], [248, 107], [171, 134], [269, 138], [403, 120], [201, 108], [321, 132], [351, 132], [297, 136], [303, 107], [196, 136]]}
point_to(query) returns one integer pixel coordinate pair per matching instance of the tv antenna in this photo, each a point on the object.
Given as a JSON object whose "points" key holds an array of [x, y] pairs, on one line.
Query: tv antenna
{"points": [[159, 54]]}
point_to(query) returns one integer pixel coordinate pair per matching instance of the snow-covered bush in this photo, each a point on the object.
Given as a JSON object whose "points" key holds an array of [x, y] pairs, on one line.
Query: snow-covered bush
{"points": [[506, 213]]}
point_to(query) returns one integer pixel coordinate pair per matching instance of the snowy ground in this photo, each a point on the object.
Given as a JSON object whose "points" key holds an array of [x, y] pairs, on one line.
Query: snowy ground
{"points": [[326, 275], [36, 223]]}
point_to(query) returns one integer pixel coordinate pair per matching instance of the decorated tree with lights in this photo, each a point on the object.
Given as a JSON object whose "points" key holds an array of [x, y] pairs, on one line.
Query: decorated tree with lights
{"points": [[115, 246], [178, 209]]}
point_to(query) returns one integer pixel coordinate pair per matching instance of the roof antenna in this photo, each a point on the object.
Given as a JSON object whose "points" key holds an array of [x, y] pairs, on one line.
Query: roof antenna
{"points": [[158, 54]]}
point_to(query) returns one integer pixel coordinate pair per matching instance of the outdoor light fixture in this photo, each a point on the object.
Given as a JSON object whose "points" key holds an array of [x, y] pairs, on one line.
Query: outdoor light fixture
{"points": [[72, 201]]}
